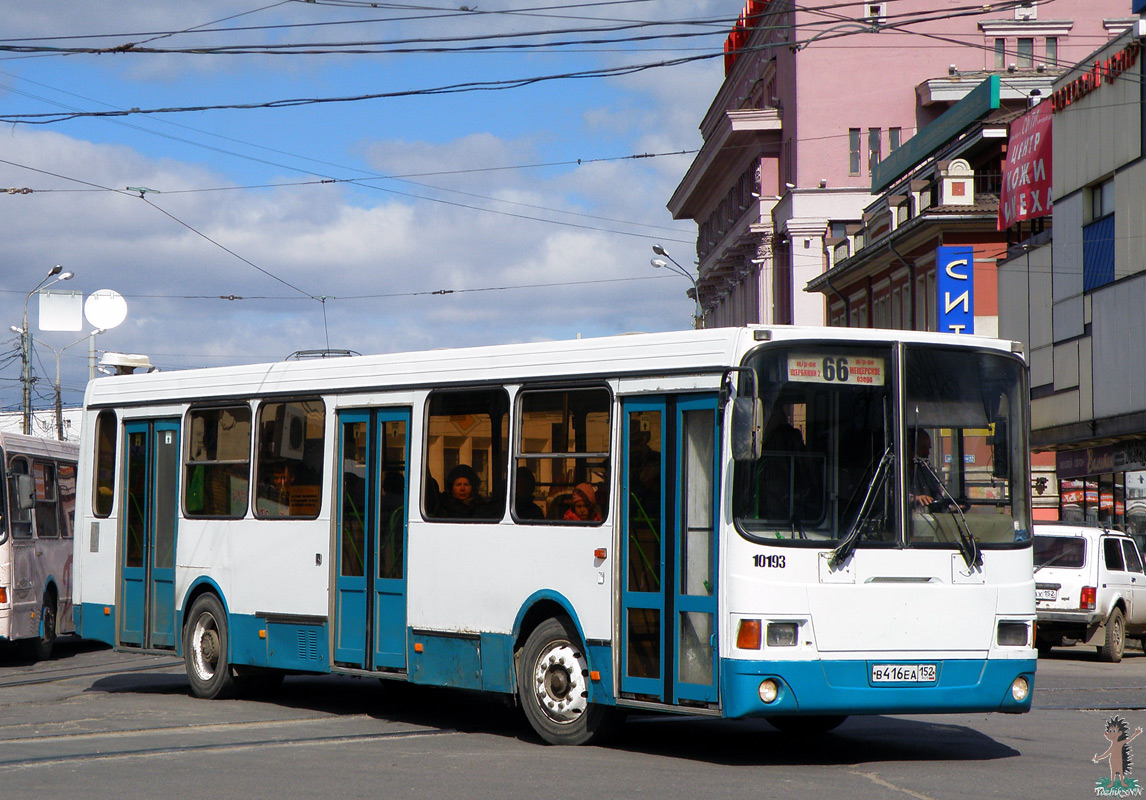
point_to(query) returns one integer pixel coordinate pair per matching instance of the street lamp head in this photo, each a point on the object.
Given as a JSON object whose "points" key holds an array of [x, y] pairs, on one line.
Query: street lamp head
{"points": [[56, 270], [67, 276], [16, 329], [658, 263], [660, 251]]}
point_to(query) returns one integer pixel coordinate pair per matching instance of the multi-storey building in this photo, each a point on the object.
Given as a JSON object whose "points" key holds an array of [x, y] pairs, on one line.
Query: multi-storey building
{"points": [[1077, 298], [814, 99]]}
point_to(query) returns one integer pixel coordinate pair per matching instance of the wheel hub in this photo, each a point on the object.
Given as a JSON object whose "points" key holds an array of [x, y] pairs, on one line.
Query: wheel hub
{"points": [[206, 651], [559, 680]]}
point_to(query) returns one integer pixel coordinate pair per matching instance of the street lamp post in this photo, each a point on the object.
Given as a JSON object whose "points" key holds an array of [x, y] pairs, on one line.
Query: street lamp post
{"points": [[698, 314], [59, 401], [55, 274]]}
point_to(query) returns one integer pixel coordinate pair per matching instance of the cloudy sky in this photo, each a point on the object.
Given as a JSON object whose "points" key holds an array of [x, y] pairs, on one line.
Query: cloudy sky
{"points": [[400, 217]]}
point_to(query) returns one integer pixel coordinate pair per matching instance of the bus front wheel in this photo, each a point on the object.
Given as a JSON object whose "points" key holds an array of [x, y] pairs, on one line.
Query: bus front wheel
{"points": [[205, 642], [553, 684]]}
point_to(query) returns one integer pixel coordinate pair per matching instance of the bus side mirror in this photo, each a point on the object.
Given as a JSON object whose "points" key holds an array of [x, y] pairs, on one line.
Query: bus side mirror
{"points": [[25, 492], [747, 428]]}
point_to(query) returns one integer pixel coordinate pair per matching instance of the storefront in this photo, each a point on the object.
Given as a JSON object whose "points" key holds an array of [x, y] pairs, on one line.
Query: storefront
{"points": [[1105, 486]]}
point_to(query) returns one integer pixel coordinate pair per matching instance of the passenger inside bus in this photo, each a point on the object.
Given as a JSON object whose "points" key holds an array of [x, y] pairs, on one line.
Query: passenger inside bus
{"points": [[523, 505], [461, 498], [583, 505]]}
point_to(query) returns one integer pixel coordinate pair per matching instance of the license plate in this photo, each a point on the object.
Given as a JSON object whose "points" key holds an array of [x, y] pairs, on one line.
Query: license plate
{"points": [[1046, 594], [903, 673]]}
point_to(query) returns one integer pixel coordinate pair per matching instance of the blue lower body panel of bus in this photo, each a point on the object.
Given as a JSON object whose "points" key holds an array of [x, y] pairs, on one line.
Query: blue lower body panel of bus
{"points": [[95, 621], [846, 687]]}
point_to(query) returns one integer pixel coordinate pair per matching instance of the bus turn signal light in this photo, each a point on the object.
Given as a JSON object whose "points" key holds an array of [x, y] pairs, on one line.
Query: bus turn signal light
{"points": [[748, 634]]}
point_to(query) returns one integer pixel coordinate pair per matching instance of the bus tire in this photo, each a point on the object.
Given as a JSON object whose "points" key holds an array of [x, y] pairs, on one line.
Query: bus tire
{"points": [[553, 685], [1115, 643], [40, 648], [810, 725], [205, 643]]}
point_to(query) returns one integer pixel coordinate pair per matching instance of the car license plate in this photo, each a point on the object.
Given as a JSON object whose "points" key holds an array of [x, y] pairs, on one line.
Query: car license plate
{"points": [[1046, 594], [903, 673]]}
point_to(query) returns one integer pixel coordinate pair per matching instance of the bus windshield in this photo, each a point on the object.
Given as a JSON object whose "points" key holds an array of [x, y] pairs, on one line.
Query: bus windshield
{"points": [[841, 462]]}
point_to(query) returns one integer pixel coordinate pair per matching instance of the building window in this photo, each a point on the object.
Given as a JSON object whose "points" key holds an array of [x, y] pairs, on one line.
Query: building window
{"points": [[853, 151], [1098, 253], [894, 137], [1026, 52], [1098, 238], [873, 149], [1000, 53], [1052, 51], [875, 12], [1102, 199]]}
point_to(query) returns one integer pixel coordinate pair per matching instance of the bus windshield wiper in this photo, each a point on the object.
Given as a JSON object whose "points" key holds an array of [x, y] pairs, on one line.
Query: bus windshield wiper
{"points": [[967, 544], [845, 548]]}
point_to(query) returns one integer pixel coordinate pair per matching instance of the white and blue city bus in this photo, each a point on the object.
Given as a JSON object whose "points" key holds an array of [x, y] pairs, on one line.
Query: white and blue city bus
{"points": [[791, 523]]}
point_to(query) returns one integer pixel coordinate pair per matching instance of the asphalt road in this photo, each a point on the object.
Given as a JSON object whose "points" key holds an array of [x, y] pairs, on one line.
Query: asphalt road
{"points": [[99, 724]]}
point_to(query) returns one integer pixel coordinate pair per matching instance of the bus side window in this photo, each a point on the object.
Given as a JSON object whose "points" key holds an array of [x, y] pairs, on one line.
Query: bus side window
{"points": [[103, 493], [288, 473], [562, 447], [67, 493], [467, 442], [21, 517], [47, 505], [218, 474]]}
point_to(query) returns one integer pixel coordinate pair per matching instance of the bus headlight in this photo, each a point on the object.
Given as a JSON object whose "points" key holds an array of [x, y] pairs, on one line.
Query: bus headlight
{"points": [[782, 634], [769, 690], [1013, 634], [1020, 689]]}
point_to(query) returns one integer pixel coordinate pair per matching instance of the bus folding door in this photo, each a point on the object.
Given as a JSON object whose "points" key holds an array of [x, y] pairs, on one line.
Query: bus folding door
{"points": [[148, 534], [669, 519], [370, 563]]}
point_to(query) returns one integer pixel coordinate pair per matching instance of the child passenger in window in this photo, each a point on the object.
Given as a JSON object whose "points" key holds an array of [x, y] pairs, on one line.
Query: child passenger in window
{"points": [[583, 506]]}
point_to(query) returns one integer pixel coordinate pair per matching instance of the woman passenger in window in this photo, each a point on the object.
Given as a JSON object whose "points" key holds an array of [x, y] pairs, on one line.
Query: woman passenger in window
{"points": [[583, 505], [461, 498]]}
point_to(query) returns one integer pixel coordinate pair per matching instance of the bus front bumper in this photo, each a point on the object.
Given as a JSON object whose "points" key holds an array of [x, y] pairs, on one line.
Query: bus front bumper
{"points": [[850, 687]]}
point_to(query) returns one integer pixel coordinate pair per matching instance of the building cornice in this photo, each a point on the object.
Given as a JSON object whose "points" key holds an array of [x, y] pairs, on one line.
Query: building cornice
{"points": [[739, 128], [1026, 27]]}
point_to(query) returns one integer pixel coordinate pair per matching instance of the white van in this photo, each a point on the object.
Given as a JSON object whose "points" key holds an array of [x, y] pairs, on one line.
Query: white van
{"points": [[1089, 587]]}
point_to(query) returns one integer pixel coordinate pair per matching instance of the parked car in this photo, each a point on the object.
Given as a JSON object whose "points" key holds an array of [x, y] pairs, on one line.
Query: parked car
{"points": [[1089, 587]]}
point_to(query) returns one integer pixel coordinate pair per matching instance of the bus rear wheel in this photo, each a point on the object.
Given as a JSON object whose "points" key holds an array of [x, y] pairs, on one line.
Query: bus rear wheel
{"points": [[205, 643], [40, 648], [553, 684]]}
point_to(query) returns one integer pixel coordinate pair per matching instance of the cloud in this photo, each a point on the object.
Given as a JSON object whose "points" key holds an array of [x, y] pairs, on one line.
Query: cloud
{"points": [[487, 250]]}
